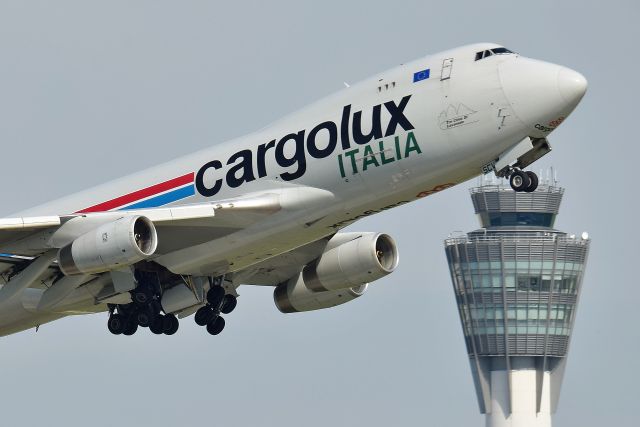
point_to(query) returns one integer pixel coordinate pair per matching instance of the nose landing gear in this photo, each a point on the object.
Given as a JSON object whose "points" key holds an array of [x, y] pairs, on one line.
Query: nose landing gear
{"points": [[526, 181]]}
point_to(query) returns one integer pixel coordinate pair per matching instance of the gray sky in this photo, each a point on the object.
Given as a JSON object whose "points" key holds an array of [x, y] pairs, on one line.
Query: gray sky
{"points": [[92, 90]]}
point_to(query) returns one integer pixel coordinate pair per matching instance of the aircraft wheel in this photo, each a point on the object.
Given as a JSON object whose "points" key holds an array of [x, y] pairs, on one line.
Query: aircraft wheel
{"points": [[130, 328], [215, 326], [519, 180], [116, 324], [533, 178], [157, 326], [144, 318], [170, 324], [215, 295], [228, 304], [204, 315]]}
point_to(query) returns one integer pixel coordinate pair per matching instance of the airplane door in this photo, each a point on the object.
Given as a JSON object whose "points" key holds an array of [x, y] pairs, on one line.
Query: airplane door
{"points": [[447, 65]]}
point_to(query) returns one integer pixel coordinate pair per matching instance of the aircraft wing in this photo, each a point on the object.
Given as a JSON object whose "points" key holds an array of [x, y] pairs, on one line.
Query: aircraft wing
{"points": [[177, 227], [29, 245]]}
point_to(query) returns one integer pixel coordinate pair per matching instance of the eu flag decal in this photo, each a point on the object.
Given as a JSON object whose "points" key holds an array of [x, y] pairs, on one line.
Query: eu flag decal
{"points": [[421, 75]]}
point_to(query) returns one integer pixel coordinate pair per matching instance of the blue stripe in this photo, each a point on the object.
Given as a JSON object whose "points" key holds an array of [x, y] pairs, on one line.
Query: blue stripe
{"points": [[163, 199]]}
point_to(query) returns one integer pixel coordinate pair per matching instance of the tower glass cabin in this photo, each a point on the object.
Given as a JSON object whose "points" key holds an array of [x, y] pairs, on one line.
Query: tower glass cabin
{"points": [[517, 283]]}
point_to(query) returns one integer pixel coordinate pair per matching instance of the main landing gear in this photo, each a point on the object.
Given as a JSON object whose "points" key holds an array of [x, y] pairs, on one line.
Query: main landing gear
{"points": [[217, 303], [145, 311], [526, 181]]}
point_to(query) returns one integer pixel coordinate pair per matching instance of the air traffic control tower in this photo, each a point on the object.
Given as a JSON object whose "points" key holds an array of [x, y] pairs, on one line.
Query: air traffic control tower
{"points": [[517, 283]]}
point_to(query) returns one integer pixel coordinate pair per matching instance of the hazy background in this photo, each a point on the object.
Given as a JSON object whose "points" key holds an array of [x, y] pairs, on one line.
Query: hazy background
{"points": [[90, 91]]}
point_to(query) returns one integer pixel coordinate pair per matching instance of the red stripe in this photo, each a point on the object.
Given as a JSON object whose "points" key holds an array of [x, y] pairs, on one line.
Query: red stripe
{"points": [[140, 194]]}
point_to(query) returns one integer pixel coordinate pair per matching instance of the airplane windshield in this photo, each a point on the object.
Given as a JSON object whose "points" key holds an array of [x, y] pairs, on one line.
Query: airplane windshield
{"points": [[495, 51]]}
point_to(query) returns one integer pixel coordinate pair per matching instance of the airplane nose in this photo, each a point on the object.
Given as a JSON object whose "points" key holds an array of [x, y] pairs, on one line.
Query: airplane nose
{"points": [[541, 94], [572, 85]]}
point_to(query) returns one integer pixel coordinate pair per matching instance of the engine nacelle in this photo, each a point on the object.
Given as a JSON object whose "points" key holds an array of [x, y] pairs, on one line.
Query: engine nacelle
{"points": [[293, 296], [109, 247], [365, 258]]}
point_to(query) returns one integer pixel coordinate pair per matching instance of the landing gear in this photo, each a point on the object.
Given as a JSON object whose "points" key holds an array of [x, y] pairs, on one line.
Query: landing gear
{"points": [[170, 324], [218, 302], [204, 315], [157, 326], [534, 182], [145, 310], [526, 181], [116, 324], [215, 326], [229, 303], [130, 328], [215, 295]]}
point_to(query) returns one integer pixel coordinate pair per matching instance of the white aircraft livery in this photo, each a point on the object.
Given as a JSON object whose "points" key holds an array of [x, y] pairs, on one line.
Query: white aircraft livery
{"points": [[267, 208]]}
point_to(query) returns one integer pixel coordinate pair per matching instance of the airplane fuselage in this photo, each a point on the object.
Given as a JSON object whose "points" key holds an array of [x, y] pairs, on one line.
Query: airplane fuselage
{"points": [[394, 138]]}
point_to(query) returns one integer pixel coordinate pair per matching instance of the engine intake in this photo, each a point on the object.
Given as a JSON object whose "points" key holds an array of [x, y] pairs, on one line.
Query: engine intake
{"points": [[109, 247]]}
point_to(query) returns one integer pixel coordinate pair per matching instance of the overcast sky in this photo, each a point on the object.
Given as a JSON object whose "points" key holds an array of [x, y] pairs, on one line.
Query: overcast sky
{"points": [[90, 91]]}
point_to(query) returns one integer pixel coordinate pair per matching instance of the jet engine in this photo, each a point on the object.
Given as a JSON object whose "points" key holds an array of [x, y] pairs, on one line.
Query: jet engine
{"points": [[341, 274], [366, 258], [109, 247], [293, 296]]}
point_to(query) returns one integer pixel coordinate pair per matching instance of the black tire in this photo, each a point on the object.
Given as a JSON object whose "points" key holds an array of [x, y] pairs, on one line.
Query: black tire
{"points": [[204, 315], [519, 180], [170, 324], [533, 184], [229, 303], [215, 326], [157, 326], [215, 296], [130, 328], [116, 324], [144, 318]]}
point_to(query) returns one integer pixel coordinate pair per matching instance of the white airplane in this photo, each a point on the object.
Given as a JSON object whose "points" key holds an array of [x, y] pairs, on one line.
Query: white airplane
{"points": [[267, 209]]}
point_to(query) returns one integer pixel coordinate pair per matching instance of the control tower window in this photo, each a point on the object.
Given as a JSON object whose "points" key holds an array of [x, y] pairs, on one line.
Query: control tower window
{"points": [[539, 219]]}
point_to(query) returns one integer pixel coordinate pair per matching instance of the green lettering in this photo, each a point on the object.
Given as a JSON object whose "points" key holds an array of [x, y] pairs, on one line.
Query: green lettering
{"points": [[411, 145], [369, 158], [351, 154], [383, 159]]}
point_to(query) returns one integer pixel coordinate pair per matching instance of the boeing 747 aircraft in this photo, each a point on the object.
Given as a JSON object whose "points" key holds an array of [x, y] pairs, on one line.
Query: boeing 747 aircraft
{"points": [[267, 209]]}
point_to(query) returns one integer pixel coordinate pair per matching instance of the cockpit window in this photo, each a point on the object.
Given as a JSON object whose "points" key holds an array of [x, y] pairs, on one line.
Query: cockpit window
{"points": [[495, 51], [501, 51]]}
